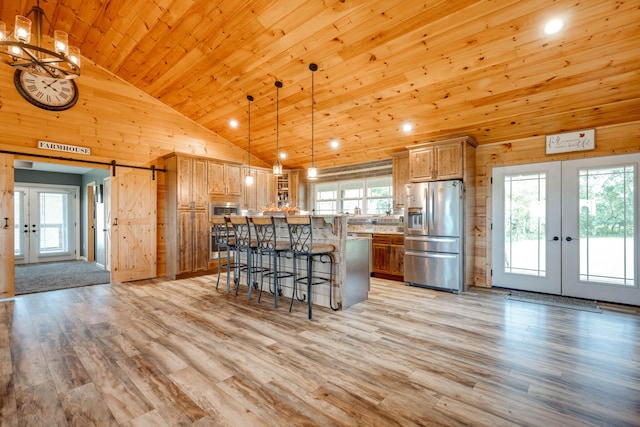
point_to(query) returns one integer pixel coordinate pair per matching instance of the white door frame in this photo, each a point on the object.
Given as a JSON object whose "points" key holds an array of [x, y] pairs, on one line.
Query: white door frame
{"points": [[74, 190], [562, 241], [575, 249], [547, 281]]}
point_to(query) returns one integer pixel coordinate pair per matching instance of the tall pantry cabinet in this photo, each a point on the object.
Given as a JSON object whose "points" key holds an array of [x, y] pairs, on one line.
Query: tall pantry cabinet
{"points": [[187, 249]]}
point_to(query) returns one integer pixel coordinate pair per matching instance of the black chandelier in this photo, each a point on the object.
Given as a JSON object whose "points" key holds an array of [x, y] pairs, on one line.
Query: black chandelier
{"points": [[19, 51]]}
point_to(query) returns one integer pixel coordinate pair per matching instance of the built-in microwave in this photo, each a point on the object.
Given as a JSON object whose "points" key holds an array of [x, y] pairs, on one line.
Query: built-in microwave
{"points": [[220, 208], [224, 208]]}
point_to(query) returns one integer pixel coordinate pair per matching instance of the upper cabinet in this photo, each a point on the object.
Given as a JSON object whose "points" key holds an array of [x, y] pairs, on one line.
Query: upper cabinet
{"points": [[442, 160], [401, 176], [191, 178], [261, 194], [224, 179]]}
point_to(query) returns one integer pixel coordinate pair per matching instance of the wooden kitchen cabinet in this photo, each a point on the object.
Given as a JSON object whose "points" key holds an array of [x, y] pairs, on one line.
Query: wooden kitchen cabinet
{"points": [[396, 256], [193, 244], [262, 193], [388, 256], [441, 160], [401, 176], [224, 179], [186, 228], [191, 183]]}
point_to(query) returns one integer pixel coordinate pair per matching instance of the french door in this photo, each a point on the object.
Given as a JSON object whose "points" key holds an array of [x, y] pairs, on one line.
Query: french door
{"points": [[568, 228], [45, 227]]}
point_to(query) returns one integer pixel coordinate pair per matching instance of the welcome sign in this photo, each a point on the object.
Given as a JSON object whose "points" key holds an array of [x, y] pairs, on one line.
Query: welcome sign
{"points": [[56, 146], [572, 141]]}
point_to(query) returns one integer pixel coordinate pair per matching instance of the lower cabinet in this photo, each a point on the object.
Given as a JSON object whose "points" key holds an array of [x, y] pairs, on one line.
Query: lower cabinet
{"points": [[388, 256], [193, 244]]}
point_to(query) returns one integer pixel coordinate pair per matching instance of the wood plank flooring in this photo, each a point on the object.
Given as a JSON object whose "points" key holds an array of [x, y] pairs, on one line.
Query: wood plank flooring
{"points": [[179, 353]]}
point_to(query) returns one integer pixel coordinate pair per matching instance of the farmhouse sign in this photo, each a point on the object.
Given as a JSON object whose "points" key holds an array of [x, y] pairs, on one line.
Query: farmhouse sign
{"points": [[572, 141], [55, 146]]}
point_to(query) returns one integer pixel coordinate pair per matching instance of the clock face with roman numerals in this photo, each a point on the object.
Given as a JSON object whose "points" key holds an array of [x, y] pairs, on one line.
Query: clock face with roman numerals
{"points": [[45, 92]]}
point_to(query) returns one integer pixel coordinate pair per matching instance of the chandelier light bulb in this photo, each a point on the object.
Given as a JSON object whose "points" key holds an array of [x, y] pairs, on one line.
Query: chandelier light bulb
{"points": [[3, 30], [74, 55], [23, 29], [61, 42]]}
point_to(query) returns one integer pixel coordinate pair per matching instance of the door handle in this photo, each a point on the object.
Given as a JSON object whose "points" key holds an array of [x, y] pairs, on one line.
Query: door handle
{"points": [[6, 223], [568, 238], [115, 223], [555, 238]]}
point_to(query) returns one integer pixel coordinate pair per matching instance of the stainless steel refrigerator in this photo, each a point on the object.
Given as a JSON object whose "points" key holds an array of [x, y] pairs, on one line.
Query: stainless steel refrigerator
{"points": [[433, 235]]}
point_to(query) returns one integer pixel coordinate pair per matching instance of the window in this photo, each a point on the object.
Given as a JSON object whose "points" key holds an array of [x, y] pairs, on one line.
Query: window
{"points": [[373, 196]]}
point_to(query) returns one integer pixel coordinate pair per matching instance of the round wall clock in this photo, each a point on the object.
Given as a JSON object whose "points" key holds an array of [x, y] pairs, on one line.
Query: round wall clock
{"points": [[45, 92]]}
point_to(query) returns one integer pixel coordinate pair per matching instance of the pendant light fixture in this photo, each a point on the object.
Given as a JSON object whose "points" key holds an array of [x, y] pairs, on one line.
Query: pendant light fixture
{"points": [[248, 179], [312, 172], [277, 166]]}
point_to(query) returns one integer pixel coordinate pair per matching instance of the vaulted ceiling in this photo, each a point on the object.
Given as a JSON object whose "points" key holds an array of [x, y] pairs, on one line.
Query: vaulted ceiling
{"points": [[466, 67]]}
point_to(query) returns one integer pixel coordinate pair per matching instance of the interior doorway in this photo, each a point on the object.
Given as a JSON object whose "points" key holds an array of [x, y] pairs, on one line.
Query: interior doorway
{"points": [[568, 228], [45, 227]]}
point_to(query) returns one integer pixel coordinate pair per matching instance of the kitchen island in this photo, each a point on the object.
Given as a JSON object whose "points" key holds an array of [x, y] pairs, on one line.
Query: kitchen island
{"points": [[350, 280]]}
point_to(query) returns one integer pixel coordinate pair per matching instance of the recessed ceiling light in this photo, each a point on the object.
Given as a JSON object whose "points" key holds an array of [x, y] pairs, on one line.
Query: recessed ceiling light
{"points": [[233, 123], [407, 127], [334, 143], [283, 155], [553, 26]]}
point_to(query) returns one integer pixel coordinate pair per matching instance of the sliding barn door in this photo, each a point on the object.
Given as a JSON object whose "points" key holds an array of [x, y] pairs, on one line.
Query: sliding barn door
{"points": [[133, 225], [7, 273]]}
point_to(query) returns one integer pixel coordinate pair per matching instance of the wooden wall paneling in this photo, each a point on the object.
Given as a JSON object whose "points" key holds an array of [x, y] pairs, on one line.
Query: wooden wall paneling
{"points": [[7, 221], [610, 140], [469, 67]]}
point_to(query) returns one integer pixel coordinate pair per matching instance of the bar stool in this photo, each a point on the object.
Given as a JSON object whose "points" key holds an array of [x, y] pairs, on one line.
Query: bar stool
{"points": [[224, 242], [301, 237], [269, 244], [244, 241]]}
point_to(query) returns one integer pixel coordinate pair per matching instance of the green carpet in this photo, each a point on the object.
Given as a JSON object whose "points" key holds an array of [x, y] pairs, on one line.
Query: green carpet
{"points": [[58, 275], [555, 301]]}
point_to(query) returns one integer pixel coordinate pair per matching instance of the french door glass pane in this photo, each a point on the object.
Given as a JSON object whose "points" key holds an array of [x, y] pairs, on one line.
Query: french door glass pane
{"points": [[18, 211], [525, 224], [53, 222], [607, 225]]}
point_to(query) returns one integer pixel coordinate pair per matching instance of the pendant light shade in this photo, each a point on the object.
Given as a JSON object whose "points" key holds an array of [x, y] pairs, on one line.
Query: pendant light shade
{"points": [[312, 172], [277, 166], [248, 179]]}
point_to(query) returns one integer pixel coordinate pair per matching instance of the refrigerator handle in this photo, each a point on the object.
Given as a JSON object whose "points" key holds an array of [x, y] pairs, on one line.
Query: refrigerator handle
{"points": [[431, 207]]}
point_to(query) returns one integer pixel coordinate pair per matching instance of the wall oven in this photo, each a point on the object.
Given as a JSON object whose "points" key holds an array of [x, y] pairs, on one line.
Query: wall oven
{"points": [[220, 208]]}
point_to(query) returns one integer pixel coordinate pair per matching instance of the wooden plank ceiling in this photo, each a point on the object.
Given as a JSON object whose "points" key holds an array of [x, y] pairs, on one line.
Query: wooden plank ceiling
{"points": [[465, 67]]}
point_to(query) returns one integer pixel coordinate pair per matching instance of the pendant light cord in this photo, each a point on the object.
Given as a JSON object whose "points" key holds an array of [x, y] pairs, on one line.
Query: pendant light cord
{"points": [[278, 86], [249, 99], [313, 68]]}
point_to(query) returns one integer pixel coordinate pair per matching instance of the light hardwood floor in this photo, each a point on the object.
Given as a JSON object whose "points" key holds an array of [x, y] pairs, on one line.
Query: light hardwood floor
{"points": [[157, 353]]}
